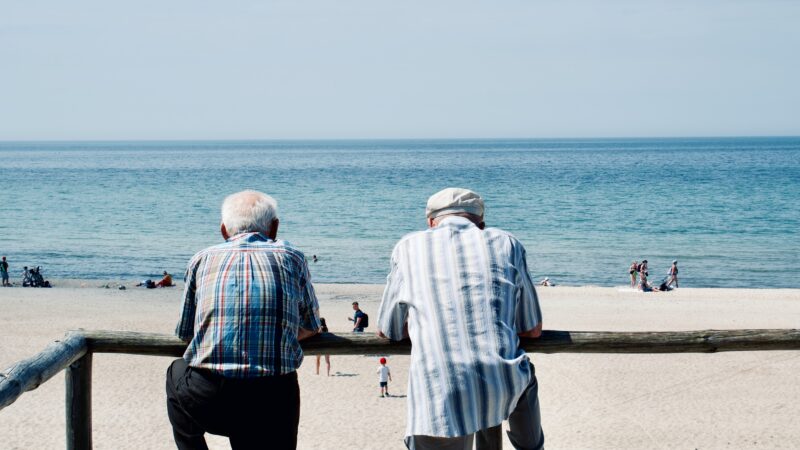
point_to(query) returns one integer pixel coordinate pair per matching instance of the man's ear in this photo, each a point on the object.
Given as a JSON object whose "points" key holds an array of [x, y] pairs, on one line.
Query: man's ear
{"points": [[431, 222], [272, 233], [224, 231]]}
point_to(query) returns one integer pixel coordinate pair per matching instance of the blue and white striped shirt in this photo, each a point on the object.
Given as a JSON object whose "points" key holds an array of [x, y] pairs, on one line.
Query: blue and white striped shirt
{"points": [[465, 293], [243, 303]]}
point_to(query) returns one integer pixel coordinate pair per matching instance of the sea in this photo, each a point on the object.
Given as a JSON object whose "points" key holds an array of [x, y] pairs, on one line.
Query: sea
{"points": [[727, 209]]}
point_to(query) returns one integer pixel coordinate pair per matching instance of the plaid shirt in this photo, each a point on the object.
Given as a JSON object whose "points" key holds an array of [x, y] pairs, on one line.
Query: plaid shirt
{"points": [[242, 305]]}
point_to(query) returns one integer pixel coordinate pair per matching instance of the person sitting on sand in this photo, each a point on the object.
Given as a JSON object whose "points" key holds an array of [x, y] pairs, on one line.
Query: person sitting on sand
{"points": [[644, 286], [37, 280], [166, 281], [246, 305], [149, 284], [26, 277]]}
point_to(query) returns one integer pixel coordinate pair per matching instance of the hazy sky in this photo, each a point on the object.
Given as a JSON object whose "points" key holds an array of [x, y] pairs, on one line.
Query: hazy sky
{"points": [[397, 69]]}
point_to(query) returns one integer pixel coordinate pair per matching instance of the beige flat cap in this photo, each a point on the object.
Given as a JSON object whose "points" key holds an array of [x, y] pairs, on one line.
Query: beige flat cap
{"points": [[454, 200]]}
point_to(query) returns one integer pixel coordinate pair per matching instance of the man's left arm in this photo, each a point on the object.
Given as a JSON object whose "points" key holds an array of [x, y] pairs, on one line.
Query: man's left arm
{"points": [[309, 306]]}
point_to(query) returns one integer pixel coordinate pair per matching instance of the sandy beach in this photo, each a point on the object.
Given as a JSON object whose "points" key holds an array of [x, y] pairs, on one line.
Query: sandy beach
{"points": [[684, 401]]}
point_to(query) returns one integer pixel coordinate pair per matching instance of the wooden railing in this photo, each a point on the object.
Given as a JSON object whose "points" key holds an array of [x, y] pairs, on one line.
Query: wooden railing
{"points": [[74, 353]]}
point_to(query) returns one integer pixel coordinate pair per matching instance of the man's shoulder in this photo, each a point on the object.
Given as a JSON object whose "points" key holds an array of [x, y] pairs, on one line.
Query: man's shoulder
{"points": [[499, 231], [277, 246], [415, 236], [411, 237]]}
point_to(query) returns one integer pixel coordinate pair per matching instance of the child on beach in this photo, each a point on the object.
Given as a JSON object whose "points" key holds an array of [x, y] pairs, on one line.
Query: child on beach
{"points": [[323, 328], [384, 377]]}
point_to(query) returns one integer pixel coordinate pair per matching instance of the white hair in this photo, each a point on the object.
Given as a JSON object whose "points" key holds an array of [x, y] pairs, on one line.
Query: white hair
{"points": [[248, 211]]}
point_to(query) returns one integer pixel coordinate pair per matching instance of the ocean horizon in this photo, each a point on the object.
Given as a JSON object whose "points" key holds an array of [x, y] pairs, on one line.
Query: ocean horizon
{"points": [[726, 208]]}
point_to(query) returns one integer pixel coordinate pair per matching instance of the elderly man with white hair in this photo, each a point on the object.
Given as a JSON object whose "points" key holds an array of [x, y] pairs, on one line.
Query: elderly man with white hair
{"points": [[246, 305], [463, 294]]}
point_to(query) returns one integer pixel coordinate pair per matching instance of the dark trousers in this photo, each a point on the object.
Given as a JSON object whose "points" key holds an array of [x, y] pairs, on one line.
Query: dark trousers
{"points": [[254, 413]]}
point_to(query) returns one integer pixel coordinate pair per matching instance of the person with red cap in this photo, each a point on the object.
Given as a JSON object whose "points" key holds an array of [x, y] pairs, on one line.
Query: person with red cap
{"points": [[384, 377]]}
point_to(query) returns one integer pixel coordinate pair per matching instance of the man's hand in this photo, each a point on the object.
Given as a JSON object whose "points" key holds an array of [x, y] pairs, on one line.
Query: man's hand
{"points": [[302, 333], [532, 333], [405, 332]]}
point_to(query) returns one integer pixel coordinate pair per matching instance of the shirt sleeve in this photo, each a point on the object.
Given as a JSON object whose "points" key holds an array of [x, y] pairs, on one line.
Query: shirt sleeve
{"points": [[393, 311], [309, 306], [185, 328], [528, 314]]}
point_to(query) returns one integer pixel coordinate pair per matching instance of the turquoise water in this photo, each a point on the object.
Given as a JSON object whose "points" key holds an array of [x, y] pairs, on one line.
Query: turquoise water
{"points": [[727, 209]]}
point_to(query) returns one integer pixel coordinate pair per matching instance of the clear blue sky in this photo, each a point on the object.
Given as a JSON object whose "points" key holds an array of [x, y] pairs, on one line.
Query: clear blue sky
{"points": [[397, 69]]}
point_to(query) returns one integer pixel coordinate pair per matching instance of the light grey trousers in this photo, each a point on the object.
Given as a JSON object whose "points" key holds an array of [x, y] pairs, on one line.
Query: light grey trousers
{"points": [[525, 424]]}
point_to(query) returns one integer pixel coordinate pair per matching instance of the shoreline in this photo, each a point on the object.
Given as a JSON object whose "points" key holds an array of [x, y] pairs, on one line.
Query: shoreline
{"points": [[72, 283]]}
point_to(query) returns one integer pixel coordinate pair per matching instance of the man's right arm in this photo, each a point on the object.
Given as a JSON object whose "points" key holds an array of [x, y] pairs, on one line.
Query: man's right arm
{"points": [[185, 328], [393, 311]]}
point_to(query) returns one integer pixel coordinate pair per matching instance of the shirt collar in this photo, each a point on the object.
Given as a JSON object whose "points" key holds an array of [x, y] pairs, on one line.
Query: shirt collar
{"points": [[250, 236], [457, 221]]}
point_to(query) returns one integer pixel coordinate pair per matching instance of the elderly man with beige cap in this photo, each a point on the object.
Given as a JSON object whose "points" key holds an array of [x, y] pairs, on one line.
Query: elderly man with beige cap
{"points": [[463, 294]]}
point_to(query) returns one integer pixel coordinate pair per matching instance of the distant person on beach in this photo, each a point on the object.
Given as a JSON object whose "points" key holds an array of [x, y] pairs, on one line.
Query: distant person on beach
{"points": [[463, 294], [633, 270], [149, 284], [360, 319], [323, 328], [314, 258], [246, 305], [643, 268], [644, 285], [384, 377], [27, 281], [546, 282], [673, 274], [4, 271], [37, 280], [166, 281]]}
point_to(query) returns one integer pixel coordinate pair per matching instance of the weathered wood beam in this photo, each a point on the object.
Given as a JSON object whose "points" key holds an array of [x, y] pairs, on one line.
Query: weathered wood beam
{"points": [[79, 404], [551, 341], [706, 341], [29, 373]]}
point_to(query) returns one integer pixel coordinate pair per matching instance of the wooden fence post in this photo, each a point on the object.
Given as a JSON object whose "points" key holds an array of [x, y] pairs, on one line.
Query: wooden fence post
{"points": [[79, 404]]}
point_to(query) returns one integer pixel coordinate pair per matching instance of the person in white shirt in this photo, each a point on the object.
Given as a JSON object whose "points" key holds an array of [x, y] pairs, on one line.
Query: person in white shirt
{"points": [[384, 377], [462, 293]]}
